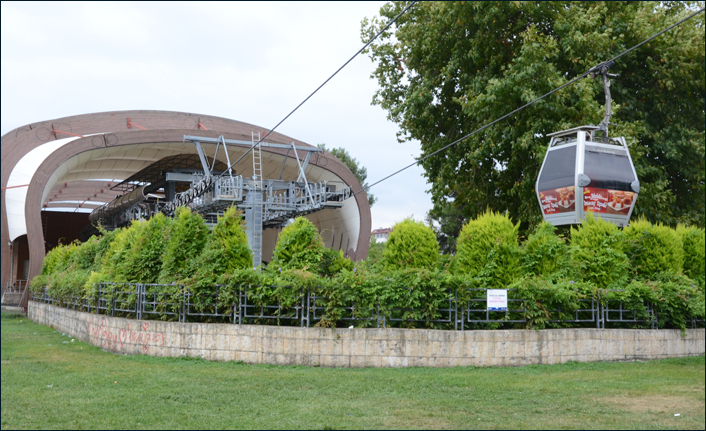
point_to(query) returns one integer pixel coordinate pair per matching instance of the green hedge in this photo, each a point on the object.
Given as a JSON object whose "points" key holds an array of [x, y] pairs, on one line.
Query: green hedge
{"points": [[419, 298], [597, 254], [641, 264], [653, 249], [694, 242]]}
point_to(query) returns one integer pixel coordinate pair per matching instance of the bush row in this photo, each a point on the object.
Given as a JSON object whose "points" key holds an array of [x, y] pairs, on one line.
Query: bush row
{"points": [[182, 251], [643, 262]]}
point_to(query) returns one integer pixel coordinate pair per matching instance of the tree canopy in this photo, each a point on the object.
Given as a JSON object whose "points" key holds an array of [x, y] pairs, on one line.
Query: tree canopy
{"points": [[447, 68]]}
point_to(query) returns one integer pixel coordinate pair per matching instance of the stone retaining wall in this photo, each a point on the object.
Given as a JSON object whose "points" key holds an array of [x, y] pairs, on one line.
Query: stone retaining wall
{"points": [[366, 347]]}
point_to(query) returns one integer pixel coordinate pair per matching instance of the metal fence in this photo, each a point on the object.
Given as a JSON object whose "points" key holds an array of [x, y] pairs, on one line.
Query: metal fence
{"points": [[308, 307], [16, 286]]}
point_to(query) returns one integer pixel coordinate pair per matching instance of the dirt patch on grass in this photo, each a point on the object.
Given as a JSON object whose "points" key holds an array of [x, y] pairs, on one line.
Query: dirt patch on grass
{"points": [[414, 419], [656, 403]]}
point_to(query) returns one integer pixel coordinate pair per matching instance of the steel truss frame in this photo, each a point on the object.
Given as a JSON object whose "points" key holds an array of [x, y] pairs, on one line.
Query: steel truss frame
{"points": [[266, 202]]}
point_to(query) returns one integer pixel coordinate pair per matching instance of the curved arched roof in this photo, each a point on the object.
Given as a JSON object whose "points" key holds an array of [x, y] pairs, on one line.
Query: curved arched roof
{"points": [[74, 161]]}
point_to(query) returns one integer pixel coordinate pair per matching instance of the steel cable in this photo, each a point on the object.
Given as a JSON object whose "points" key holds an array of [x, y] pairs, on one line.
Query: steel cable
{"points": [[324, 83]]}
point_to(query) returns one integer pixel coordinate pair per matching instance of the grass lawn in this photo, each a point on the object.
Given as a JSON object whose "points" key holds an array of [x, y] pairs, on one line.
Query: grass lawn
{"points": [[50, 382]]}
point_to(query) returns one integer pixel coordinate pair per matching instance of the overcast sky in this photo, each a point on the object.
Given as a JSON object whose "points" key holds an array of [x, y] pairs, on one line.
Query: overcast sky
{"points": [[252, 62]]}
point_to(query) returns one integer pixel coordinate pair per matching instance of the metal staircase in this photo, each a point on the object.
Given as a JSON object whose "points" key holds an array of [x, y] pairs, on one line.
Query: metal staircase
{"points": [[14, 293]]}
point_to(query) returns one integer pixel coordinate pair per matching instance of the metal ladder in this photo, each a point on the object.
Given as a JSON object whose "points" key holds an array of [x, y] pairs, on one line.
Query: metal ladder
{"points": [[257, 161], [257, 206]]}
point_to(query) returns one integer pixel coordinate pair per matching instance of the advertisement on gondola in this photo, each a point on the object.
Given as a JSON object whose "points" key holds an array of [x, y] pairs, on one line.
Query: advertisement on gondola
{"points": [[607, 201], [557, 201]]}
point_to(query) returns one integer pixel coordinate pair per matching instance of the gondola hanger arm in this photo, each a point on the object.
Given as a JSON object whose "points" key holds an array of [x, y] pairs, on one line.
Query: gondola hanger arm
{"points": [[602, 71]]}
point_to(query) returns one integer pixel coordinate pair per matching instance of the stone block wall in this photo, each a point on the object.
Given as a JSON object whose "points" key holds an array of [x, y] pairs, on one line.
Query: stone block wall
{"points": [[370, 347]]}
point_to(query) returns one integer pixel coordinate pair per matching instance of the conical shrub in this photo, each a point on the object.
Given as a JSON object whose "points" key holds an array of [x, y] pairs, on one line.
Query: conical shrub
{"points": [[487, 247], [187, 238], [411, 244], [299, 245]]}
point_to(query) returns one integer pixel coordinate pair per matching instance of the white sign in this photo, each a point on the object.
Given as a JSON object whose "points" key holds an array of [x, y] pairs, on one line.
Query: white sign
{"points": [[497, 299]]}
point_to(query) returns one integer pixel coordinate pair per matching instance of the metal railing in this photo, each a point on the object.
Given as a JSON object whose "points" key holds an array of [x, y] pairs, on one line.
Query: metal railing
{"points": [[15, 292], [590, 313], [307, 307], [347, 314], [15, 286]]}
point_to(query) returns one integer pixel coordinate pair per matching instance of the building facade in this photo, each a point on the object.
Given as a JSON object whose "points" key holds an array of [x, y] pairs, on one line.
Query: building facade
{"points": [[381, 234], [54, 172]]}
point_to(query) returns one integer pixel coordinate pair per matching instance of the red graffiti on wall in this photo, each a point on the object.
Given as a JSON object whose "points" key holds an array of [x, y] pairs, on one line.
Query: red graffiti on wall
{"points": [[111, 338]]}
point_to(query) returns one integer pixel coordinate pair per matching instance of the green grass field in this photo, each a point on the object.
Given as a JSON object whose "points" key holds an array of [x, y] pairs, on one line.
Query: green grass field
{"points": [[50, 382]]}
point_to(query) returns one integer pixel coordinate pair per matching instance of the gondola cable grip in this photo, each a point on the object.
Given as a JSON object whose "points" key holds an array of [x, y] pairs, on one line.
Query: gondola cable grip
{"points": [[602, 71]]}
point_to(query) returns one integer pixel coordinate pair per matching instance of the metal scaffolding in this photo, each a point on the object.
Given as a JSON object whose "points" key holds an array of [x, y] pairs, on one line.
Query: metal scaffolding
{"points": [[265, 202]]}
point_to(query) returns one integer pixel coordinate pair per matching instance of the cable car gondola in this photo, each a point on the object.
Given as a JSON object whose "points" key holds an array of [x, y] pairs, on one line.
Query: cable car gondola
{"points": [[585, 170]]}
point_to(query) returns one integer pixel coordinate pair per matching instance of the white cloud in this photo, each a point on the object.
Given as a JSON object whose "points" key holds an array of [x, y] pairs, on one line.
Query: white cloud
{"points": [[21, 27], [122, 22]]}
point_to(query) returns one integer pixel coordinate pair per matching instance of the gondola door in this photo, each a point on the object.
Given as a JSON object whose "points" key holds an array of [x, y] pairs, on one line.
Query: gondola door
{"points": [[556, 184], [608, 181]]}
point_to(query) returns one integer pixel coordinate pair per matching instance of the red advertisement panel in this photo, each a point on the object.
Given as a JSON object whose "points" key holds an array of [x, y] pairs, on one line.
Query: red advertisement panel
{"points": [[558, 200], [607, 201]]}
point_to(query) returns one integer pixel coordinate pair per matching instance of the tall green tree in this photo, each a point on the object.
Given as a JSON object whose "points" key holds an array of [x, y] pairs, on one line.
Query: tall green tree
{"points": [[360, 172], [446, 220], [447, 68]]}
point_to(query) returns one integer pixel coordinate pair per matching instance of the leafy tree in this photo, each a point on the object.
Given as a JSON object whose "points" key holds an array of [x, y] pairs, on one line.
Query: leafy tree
{"points": [[92, 250], [227, 248], [447, 68], [411, 244], [117, 260], [447, 221], [594, 233], [376, 252], [145, 261], [333, 262], [58, 259], [226, 259], [360, 172]]}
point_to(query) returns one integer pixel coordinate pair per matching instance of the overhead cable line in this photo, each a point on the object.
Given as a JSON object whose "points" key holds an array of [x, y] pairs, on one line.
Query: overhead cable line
{"points": [[324, 83], [597, 67]]}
